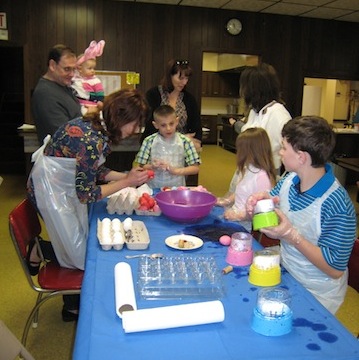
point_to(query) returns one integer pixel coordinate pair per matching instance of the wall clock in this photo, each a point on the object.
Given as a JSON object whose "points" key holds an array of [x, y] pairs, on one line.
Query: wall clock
{"points": [[234, 26]]}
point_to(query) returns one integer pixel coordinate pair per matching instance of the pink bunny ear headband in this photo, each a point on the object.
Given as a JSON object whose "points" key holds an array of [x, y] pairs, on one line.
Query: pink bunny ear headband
{"points": [[94, 50]]}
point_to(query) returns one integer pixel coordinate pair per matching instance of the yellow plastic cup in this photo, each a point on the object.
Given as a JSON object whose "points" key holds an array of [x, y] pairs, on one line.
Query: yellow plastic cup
{"points": [[261, 277]]}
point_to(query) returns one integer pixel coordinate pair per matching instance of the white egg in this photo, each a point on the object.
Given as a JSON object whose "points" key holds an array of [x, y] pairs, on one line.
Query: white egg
{"points": [[106, 238], [118, 238], [106, 223], [127, 224], [116, 225]]}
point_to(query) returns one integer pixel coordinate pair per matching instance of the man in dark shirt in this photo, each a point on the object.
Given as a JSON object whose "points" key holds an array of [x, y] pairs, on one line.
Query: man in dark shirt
{"points": [[53, 102]]}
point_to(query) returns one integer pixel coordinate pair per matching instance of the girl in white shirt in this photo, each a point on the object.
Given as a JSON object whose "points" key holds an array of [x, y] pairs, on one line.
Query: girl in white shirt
{"points": [[255, 172]]}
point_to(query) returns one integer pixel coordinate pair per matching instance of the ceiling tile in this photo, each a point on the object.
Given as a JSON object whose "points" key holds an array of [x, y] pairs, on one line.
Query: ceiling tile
{"points": [[344, 4], [248, 5], [167, 2], [288, 9], [354, 17], [204, 3], [306, 2], [344, 10], [327, 13]]}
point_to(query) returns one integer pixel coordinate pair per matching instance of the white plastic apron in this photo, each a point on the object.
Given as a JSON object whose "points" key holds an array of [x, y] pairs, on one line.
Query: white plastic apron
{"points": [[66, 219], [330, 292], [172, 152]]}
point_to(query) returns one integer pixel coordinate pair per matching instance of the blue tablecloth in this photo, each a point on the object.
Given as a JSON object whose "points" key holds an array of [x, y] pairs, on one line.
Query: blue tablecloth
{"points": [[316, 333]]}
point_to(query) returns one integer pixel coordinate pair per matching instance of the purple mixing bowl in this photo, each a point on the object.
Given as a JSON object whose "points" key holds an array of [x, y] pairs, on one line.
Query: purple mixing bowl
{"points": [[185, 205]]}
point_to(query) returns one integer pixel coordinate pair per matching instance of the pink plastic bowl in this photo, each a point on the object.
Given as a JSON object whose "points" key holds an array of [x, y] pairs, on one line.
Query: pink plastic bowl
{"points": [[185, 205]]}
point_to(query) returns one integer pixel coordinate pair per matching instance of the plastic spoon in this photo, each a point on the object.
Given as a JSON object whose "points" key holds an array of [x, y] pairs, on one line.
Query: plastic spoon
{"points": [[151, 256]]}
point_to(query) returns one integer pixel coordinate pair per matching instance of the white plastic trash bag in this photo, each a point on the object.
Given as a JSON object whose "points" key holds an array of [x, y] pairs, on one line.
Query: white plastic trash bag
{"points": [[65, 217]]}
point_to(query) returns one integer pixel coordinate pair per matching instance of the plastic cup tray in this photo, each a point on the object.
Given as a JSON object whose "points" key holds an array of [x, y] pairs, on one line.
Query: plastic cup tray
{"points": [[179, 277]]}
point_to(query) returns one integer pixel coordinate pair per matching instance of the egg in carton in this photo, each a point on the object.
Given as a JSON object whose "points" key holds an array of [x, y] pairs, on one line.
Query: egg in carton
{"points": [[110, 234]]}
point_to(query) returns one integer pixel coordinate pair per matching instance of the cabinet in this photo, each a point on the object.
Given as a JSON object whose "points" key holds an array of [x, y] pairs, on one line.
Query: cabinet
{"points": [[216, 84], [209, 122]]}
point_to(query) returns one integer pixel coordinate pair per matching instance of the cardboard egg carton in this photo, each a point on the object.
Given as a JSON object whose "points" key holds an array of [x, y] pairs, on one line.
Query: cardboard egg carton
{"points": [[111, 234]]}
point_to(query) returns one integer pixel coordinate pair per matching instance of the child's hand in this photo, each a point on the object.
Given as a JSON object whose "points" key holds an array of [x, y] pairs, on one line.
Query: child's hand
{"points": [[254, 198], [230, 214], [234, 214], [284, 230], [160, 164], [173, 170], [223, 201], [100, 105]]}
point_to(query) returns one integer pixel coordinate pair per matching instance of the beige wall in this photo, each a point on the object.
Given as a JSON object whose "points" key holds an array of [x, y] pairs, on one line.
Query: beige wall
{"points": [[335, 97]]}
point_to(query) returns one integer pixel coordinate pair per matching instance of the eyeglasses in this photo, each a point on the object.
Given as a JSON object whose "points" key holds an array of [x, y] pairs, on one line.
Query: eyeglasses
{"points": [[67, 69], [181, 62]]}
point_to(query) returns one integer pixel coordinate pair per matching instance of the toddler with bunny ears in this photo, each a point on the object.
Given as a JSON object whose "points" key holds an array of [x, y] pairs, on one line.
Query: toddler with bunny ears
{"points": [[88, 87]]}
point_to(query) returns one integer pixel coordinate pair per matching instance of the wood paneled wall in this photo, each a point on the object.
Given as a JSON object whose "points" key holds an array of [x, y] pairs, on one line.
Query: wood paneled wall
{"points": [[142, 37]]}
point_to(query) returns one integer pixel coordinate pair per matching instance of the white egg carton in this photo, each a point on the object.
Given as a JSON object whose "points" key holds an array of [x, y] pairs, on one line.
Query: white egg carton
{"points": [[112, 234]]}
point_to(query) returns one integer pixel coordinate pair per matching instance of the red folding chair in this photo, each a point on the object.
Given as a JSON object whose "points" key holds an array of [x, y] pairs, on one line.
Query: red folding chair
{"points": [[52, 279]]}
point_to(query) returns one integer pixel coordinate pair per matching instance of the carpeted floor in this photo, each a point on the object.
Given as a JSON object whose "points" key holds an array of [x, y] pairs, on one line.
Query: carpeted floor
{"points": [[53, 339]]}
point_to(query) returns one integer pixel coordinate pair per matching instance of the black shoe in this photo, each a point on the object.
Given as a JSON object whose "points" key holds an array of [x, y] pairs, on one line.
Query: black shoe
{"points": [[68, 316], [33, 267]]}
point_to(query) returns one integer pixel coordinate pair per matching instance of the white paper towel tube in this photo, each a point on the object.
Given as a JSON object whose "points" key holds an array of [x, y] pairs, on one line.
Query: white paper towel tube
{"points": [[125, 299], [173, 316]]}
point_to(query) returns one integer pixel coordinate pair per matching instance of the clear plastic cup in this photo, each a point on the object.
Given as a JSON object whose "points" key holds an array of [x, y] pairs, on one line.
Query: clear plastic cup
{"points": [[241, 241]]}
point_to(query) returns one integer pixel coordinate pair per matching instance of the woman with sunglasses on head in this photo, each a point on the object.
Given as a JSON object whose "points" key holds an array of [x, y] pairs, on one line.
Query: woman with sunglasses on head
{"points": [[172, 91]]}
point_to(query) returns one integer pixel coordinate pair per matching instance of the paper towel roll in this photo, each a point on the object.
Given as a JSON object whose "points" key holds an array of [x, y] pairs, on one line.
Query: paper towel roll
{"points": [[125, 299], [173, 316]]}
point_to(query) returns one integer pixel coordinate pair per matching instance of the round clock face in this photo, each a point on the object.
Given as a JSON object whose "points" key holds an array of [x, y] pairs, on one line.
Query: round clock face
{"points": [[234, 26]]}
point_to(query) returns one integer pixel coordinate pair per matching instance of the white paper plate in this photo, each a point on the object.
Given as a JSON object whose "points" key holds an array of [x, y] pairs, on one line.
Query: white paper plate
{"points": [[192, 242]]}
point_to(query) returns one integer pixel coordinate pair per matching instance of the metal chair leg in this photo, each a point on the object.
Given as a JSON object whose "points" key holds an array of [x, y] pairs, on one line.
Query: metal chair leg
{"points": [[36, 308], [36, 315], [34, 312]]}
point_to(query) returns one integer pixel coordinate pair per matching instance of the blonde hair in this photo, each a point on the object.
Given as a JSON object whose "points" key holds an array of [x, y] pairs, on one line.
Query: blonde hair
{"points": [[253, 148]]}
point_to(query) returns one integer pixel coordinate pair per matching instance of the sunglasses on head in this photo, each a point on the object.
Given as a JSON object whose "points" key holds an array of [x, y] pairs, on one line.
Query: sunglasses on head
{"points": [[181, 62]]}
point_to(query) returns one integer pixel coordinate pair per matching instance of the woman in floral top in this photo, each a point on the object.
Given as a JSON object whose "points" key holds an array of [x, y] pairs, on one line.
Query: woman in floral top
{"points": [[69, 173], [87, 140]]}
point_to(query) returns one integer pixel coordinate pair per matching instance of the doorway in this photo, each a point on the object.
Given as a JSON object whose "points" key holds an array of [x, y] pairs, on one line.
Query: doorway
{"points": [[335, 100], [12, 110]]}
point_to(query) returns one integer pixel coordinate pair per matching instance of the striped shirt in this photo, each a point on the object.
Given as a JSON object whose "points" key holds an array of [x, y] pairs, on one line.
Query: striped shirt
{"points": [[337, 217]]}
